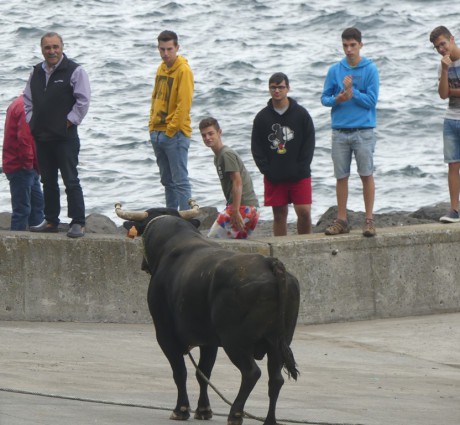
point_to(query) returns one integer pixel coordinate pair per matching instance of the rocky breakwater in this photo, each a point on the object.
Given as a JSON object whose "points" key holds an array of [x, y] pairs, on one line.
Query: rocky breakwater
{"points": [[98, 223]]}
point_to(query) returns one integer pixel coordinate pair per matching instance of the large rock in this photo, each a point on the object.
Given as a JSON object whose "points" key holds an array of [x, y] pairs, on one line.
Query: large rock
{"points": [[427, 214], [356, 219], [431, 212], [98, 223], [264, 229], [5, 220], [207, 217], [95, 223]]}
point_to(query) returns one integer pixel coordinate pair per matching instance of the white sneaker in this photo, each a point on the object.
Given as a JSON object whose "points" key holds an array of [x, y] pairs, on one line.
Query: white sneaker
{"points": [[451, 217]]}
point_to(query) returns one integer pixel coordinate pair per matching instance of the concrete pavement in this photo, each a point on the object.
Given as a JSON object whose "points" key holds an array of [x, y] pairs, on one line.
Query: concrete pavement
{"points": [[393, 371]]}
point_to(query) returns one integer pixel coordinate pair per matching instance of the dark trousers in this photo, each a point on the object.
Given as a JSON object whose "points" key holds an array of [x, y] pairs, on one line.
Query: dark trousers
{"points": [[61, 155], [26, 199]]}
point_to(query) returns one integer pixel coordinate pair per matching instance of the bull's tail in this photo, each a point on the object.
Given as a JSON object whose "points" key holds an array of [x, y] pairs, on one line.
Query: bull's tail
{"points": [[289, 364], [287, 356]]}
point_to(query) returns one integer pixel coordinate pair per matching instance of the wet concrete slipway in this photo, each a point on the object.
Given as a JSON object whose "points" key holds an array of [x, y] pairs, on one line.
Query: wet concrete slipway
{"points": [[393, 371]]}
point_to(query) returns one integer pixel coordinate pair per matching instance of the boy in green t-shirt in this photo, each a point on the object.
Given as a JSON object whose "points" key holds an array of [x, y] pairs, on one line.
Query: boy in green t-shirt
{"points": [[240, 217]]}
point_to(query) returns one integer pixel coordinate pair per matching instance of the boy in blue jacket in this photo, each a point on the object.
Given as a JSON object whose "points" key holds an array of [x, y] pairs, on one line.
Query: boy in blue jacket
{"points": [[351, 91]]}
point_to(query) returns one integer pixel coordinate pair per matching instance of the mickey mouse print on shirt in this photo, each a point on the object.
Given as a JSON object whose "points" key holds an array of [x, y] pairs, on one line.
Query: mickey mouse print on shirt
{"points": [[279, 138]]}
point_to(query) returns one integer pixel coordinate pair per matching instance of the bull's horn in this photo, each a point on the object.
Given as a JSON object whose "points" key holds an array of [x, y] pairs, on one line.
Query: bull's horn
{"points": [[192, 212], [130, 215]]}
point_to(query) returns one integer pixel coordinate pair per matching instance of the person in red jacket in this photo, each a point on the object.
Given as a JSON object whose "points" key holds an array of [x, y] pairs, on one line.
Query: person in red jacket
{"points": [[20, 165]]}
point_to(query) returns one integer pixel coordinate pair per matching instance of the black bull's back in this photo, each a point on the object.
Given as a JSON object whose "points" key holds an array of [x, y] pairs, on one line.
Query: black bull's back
{"points": [[203, 295], [209, 291]]}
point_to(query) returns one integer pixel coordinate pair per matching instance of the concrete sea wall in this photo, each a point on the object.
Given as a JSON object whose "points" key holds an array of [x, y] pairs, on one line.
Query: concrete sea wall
{"points": [[404, 271]]}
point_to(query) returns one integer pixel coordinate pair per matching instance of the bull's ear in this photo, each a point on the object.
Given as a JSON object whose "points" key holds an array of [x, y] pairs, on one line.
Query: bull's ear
{"points": [[195, 222]]}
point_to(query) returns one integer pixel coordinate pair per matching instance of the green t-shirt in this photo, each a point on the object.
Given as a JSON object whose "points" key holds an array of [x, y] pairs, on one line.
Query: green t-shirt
{"points": [[228, 161]]}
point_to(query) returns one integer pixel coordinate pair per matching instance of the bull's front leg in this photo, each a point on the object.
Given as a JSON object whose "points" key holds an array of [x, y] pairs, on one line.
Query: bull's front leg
{"points": [[207, 359], [182, 410], [171, 347]]}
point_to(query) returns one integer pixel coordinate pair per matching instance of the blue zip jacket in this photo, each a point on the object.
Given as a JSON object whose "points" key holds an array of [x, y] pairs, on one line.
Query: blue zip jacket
{"points": [[360, 110]]}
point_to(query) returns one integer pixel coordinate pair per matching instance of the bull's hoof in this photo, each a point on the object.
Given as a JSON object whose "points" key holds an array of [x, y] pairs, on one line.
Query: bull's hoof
{"points": [[203, 413], [236, 419], [180, 415]]}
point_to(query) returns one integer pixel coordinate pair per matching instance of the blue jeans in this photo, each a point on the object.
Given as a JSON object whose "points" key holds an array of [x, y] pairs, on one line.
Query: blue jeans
{"points": [[55, 156], [26, 199], [361, 143], [451, 136], [172, 156]]}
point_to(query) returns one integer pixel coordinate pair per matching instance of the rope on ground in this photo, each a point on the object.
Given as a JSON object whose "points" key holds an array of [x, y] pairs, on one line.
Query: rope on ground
{"points": [[82, 399], [140, 406], [248, 415]]}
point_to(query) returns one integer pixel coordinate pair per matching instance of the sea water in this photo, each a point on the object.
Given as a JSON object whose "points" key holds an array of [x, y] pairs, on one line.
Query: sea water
{"points": [[233, 47]]}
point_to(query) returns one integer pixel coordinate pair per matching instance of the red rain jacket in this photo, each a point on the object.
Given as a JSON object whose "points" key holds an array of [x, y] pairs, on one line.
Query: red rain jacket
{"points": [[19, 149]]}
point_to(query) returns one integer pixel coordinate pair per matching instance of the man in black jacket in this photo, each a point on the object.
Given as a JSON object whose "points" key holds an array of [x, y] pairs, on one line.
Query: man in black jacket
{"points": [[56, 99], [282, 144]]}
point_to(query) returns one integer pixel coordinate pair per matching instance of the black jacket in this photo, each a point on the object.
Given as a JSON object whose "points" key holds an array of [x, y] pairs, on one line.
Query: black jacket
{"points": [[283, 145], [52, 102]]}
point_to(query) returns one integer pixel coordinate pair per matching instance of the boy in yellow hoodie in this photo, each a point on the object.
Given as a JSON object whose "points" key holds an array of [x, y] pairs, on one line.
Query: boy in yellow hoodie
{"points": [[170, 124]]}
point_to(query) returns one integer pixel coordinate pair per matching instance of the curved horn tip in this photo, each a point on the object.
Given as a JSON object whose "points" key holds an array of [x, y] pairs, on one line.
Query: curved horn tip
{"points": [[193, 204], [130, 215], [192, 212]]}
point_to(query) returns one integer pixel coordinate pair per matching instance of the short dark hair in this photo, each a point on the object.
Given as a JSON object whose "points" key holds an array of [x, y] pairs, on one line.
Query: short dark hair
{"points": [[208, 122], [352, 33], [167, 36], [51, 34], [438, 32], [279, 77]]}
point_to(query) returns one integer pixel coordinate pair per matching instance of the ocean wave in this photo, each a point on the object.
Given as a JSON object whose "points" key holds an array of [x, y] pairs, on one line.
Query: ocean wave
{"points": [[233, 47]]}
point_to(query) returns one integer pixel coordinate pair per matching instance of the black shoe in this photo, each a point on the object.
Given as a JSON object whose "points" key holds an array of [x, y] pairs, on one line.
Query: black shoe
{"points": [[45, 227], [76, 231]]}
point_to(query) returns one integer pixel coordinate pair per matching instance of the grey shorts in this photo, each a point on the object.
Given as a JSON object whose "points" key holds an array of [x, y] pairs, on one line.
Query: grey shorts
{"points": [[361, 143]]}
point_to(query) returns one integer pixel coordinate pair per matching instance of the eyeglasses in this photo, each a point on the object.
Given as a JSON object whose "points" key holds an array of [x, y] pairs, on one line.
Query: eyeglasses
{"points": [[274, 88]]}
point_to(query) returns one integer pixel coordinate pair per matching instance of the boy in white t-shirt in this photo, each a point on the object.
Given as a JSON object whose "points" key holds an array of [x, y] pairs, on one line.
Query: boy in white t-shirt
{"points": [[449, 88]]}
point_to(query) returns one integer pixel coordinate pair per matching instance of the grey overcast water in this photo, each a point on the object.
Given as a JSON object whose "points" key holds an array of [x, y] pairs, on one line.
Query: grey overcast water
{"points": [[233, 47]]}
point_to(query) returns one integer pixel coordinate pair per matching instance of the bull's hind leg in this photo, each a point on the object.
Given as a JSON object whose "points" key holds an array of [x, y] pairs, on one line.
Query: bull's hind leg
{"points": [[250, 373], [174, 354], [275, 382], [207, 360]]}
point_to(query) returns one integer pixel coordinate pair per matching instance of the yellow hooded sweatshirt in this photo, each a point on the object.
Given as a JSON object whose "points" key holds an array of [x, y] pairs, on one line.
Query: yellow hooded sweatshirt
{"points": [[172, 99]]}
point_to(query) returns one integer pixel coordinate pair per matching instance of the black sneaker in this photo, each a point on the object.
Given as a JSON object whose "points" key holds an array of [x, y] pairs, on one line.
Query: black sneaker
{"points": [[76, 231]]}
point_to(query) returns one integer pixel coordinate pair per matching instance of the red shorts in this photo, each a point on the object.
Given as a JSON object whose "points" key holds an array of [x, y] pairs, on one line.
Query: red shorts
{"points": [[279, 194]]}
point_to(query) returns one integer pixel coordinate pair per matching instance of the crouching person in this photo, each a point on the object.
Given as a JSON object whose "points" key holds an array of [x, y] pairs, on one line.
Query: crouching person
{"points": [[240, 217]]}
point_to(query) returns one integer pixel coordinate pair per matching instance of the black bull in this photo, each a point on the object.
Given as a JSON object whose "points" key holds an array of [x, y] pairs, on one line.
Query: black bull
{"points": [[203, 295]]}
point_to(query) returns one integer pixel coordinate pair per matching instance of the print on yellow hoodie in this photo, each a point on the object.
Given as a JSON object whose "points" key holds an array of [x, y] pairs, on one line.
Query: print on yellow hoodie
{"points": [[172, 99]]}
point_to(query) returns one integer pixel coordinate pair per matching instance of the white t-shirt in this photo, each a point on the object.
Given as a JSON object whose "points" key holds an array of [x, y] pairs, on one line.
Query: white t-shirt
{"points": [[453, 109]]}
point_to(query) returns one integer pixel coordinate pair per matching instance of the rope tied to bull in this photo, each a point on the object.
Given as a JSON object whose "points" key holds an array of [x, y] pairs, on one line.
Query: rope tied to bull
{"points": [[203, 376], [249, 415]]}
